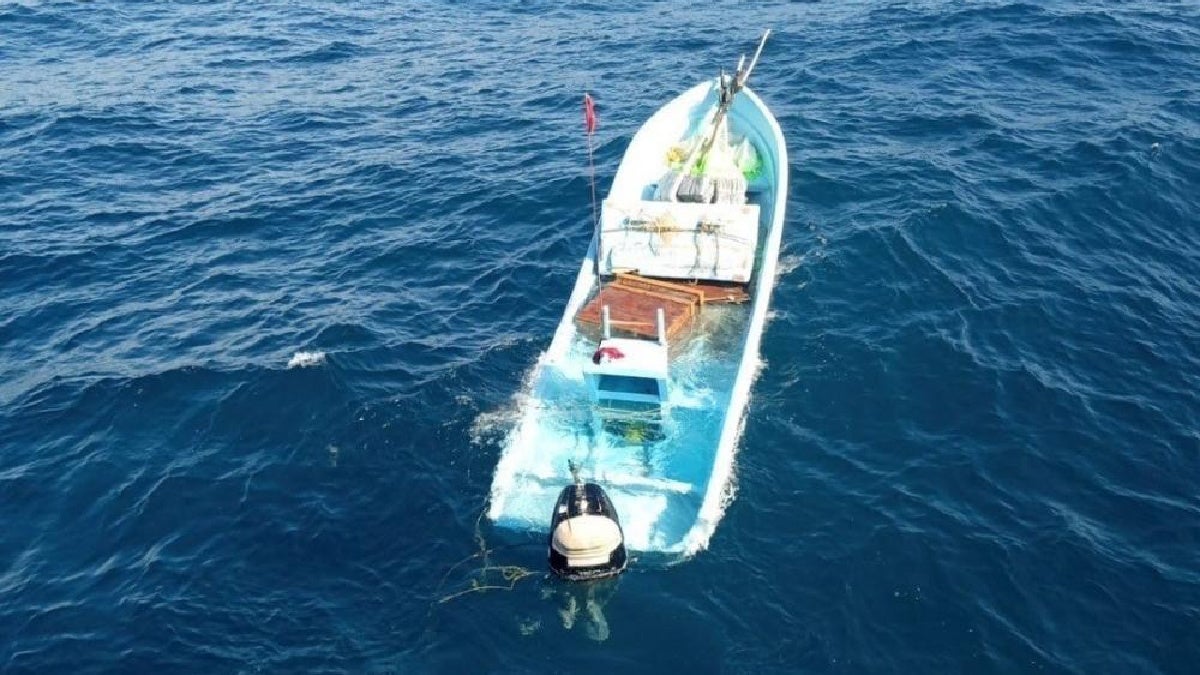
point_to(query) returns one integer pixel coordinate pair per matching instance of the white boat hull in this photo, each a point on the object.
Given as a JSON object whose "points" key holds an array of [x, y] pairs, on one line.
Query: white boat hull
{"points": [[672, 501]]}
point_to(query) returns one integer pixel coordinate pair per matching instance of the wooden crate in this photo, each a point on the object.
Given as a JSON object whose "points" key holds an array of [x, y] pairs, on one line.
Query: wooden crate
{"points": [[633, 302]]}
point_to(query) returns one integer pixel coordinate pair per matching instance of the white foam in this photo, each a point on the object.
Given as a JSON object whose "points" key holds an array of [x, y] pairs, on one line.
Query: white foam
{"points": [[788, 264], [625, 480], [639, 518], [491, 426], [306, 359]]}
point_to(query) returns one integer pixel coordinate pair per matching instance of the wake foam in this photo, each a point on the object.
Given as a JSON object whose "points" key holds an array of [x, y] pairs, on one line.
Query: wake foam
{"points": [[492, 426], [787, 264], [306, 359]]}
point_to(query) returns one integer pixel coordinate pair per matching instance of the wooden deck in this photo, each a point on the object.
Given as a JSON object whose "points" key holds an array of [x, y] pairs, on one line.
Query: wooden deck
{"points": [[633, 302]]}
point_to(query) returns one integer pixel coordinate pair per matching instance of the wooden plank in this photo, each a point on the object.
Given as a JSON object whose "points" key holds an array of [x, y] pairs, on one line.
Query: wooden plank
{"points": [[635, 281], [721, 291], [689, 302], [705, 291], [630, 323], [634, 311], [633, 302]]}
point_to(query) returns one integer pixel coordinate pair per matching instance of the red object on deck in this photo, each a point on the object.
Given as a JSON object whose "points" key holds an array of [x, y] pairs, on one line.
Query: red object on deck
{"points": [[610, 353], [589, 114]]}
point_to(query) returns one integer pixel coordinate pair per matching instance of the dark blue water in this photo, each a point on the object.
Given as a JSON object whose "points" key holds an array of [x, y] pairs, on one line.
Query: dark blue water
{"points": [[975, 446]]}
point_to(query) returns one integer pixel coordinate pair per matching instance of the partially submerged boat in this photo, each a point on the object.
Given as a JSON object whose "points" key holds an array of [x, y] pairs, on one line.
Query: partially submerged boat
{"points": [[645, 385]]}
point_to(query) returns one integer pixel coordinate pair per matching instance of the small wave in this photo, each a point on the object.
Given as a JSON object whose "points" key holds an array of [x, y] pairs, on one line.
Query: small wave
{"points": [[306, 359], [332, 52], [491, 426], [788, 264]]}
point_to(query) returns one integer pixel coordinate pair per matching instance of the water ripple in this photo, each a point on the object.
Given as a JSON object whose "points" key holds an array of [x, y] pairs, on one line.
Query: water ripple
{"points": [[972, 449]]}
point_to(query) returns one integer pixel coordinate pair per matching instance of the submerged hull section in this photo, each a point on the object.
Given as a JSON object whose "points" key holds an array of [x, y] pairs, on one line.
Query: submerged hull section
{"points": [[666, 468]]}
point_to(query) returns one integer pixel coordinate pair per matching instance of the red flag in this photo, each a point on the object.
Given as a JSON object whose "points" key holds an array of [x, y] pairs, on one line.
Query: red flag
{"points": [[589, 114]]}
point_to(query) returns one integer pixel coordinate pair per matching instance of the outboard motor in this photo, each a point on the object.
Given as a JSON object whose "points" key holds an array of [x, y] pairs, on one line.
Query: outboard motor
{"points": [[586, 540]]}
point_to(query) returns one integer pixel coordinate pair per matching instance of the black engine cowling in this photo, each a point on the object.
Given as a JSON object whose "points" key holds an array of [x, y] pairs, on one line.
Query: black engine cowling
{"points": [[586, 540]]}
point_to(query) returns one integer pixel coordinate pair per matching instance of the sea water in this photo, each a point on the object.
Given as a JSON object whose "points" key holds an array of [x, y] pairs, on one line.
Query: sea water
{"points": [[972, 446]]}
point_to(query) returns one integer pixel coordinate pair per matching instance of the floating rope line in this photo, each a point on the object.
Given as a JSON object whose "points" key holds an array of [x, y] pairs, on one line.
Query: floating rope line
{"points": [[509, 574]]}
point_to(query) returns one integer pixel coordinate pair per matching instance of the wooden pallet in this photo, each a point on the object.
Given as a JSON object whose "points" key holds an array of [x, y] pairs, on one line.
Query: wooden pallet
{"points": [[633, 303], [720, 292]]}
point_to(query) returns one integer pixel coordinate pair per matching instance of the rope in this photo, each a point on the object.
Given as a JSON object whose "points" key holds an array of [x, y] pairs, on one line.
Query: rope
{"points": [[663, 225], [719, 234], [510, 574]]}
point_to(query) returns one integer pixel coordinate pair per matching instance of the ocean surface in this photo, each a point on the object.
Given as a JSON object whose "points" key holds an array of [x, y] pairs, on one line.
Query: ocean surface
{"points": [[274, 276]]}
